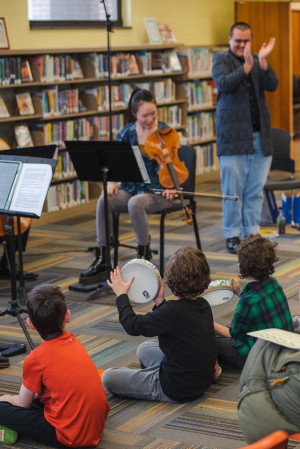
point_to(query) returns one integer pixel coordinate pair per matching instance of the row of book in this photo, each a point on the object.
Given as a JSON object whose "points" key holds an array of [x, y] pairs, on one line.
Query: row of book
{"points": [[201, 126], [65, 167], [171, 115], [67, 194], [58, 68], [53, 68], [101, 125], [58, 131], [196, 61], [159, 61], [200, 94], [206, 158]]}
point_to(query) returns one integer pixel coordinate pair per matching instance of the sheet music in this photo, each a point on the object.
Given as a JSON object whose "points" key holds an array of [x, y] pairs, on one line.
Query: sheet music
{"points": [[280, 337], [8, 172], [32, 188], [141, 164]]}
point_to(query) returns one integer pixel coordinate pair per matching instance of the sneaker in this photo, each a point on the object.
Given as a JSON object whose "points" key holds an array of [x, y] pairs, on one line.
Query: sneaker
{"points": [[218, 371], [7, 436]]}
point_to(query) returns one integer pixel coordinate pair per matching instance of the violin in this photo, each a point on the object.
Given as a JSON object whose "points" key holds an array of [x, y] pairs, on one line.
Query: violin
{"points": [[162, 145], [24, 221]]}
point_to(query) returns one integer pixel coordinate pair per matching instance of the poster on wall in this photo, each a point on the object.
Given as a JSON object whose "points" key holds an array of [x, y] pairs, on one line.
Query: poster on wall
{"points": [[4, 43]]}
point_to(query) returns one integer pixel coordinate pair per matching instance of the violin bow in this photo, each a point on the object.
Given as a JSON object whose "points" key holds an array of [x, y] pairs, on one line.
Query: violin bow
{"points": [[204, 195]]}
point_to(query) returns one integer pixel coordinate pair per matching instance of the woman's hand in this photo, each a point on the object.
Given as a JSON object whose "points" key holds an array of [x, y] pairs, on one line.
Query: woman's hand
{"points": [[160, 295], [170, 194], [236, 287], [112, 188], [117, 284]]}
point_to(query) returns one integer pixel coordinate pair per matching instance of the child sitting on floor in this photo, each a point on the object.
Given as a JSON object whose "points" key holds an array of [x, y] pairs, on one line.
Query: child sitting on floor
{"points": [[262, 301], [180, 366], [61, 401]]}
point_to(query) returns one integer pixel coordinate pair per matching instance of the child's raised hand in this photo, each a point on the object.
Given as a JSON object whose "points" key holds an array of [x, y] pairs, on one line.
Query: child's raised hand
{"points": [[159, 298], [117, 284], [236, 286]]}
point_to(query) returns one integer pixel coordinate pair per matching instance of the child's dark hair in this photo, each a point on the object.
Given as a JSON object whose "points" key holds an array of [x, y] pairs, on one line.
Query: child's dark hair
{"points": [[47, 310], [137, 97], [243, 26], [256, 256], [187, 273]]}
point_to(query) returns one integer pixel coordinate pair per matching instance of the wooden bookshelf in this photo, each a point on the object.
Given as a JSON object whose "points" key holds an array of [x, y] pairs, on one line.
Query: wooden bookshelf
{"points": [[55, 119]]}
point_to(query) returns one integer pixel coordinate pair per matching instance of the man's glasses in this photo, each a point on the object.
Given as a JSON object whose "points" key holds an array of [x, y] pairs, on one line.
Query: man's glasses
{"points": [[239, 41]]}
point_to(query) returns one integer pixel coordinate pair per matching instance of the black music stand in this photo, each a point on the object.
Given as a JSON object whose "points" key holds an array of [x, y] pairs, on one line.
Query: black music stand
{"points": [[104, 161], [14, 307], [39, 153]]}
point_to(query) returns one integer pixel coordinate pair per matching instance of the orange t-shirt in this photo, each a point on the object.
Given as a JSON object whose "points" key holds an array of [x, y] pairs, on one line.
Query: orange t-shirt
{"points": [[67, 381]]}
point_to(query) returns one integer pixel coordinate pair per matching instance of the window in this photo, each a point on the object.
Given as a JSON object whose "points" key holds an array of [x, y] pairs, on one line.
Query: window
{"points": [[73, 13]]}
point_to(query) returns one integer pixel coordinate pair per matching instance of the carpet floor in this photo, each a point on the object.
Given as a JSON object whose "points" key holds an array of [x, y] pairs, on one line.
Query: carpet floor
{"points": [[58, 252]]}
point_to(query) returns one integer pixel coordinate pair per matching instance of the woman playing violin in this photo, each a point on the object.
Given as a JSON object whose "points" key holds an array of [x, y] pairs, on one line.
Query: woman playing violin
{"points": [[134, 198]]}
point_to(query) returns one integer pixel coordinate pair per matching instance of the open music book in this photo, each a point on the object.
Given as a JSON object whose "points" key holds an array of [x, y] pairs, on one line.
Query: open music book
{"points": [[279, 336], [23, 187]]}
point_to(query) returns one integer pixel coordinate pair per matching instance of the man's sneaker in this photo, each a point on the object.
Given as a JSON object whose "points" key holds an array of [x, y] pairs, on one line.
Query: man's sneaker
{"points": [[218, 371], [7, 436]]}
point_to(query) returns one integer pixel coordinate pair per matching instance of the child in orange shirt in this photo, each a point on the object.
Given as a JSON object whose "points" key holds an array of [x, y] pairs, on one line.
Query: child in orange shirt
{"points": [[61, 401]]}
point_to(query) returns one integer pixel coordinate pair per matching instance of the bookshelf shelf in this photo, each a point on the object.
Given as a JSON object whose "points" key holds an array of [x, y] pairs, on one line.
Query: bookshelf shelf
{"points": [[49, 73]]}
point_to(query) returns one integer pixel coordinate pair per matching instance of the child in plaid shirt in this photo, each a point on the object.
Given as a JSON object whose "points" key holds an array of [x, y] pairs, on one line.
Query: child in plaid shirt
{"points": [[262, 303]]}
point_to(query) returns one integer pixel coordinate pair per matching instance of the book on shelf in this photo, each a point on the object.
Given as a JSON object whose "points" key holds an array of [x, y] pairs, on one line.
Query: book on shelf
{"points": [[166, 32], [24, 103], [3, 109], [174, 63], [26, 74], [23, 136], [23, 187]]}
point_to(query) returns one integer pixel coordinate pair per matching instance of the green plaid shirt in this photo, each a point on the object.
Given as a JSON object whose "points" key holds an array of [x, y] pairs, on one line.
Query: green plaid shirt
{"points": [[262, 305]]}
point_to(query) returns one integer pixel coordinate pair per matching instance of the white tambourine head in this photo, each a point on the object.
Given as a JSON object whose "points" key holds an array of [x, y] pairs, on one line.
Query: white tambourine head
{"points": [[218, 292], [146, 283]]}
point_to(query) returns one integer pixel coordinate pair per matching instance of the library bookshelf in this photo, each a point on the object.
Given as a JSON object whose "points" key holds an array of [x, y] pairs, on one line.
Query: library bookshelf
{"points": [[66, 98]]}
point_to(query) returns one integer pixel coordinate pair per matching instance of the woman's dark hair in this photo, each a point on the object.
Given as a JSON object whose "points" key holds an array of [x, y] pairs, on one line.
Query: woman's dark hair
{"points": [[47, 310], [256, 256], [137, 97], [187, 273]]}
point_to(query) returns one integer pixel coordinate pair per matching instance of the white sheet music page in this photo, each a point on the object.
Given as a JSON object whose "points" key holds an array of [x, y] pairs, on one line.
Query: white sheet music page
{"points": [[31, 190], [279, 336], [141, 164]]}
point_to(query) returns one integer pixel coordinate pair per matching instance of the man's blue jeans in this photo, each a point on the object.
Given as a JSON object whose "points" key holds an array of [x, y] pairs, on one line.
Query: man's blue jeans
{"points": [[244, 175]]}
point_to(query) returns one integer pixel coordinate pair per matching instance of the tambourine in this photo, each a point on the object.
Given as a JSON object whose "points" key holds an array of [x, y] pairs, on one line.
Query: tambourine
{"points": [[146, 283], [218, 292]]}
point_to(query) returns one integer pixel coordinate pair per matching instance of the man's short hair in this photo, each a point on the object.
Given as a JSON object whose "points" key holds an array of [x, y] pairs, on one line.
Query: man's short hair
{"points": [[187, 273], [47, 310], [256, 256], [243, 26]]}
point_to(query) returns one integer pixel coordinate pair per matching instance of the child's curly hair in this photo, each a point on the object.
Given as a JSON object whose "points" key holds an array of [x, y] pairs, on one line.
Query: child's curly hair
{"points": [[187, 273], [256, 256]]}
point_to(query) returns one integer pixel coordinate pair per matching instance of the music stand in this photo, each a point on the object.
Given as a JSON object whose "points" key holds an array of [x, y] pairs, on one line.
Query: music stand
{"points": [[104, 161], [14, 307], [39, 153]]}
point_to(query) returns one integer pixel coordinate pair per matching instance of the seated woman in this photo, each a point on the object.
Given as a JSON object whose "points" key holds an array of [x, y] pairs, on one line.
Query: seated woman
{"points": [[134, 198]]}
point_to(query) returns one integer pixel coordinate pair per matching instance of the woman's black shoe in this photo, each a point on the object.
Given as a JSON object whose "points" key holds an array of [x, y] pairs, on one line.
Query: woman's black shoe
{"points": [[232, 243]]}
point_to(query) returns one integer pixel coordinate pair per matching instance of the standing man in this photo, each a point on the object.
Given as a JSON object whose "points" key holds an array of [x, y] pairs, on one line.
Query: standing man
{"points": [[243, 130]]}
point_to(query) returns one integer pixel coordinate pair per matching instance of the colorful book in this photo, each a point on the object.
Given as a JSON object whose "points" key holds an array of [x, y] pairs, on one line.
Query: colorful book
{"points": [[24, 103], [3, 109], [23, 136], [26, 74]]}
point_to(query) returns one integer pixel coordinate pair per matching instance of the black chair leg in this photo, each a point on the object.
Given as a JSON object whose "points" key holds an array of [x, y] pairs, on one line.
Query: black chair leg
{"points": [[116, 237], [196, 229], [162, 245]]}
